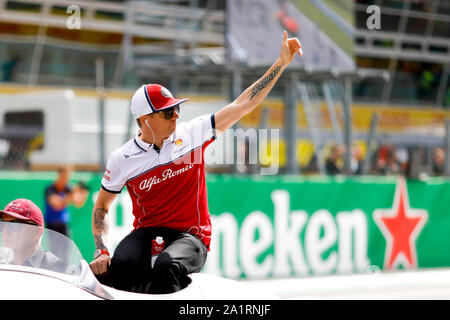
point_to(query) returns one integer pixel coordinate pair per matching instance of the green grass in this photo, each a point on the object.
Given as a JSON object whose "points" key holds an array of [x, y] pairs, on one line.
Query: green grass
{"points": [[344, 41]]}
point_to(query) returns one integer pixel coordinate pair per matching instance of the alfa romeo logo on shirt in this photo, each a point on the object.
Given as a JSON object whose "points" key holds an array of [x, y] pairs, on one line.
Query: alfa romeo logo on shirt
{"points": [[147, 184]]}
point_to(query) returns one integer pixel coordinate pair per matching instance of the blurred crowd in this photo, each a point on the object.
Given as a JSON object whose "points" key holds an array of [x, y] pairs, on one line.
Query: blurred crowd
{"points": [[414, 162], [387, 160]]}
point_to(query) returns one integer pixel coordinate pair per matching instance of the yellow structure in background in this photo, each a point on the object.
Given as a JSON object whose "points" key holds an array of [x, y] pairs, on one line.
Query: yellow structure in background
{"points": [[304, 149], [396, 119]]}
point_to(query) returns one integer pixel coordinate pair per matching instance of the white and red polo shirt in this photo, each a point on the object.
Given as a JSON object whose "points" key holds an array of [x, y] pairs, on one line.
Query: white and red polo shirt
{"points": [[167, 188]]}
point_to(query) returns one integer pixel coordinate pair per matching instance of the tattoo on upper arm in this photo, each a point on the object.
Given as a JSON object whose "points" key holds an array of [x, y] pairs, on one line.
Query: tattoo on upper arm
{"points": [[264, 82]]}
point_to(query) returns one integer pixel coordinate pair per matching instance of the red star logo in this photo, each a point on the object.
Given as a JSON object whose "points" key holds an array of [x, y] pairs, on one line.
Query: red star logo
{"points": [[400, 226]]}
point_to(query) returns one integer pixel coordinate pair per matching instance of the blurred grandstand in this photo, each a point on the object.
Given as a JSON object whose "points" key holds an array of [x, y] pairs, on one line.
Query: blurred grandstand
{"points": [[413, 44], [382, 94]]}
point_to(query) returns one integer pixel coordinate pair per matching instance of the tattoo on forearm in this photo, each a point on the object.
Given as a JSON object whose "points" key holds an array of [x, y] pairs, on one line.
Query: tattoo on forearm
{"points": [[264, 82], [99, 242], [99, 222], [99, 218]]}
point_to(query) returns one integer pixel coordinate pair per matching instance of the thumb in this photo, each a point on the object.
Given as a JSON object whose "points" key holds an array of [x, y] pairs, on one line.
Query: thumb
{"points": [[285, 35]]}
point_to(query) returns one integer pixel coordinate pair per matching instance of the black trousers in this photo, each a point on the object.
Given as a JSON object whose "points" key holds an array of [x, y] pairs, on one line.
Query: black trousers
{"points": [[131, 270]]}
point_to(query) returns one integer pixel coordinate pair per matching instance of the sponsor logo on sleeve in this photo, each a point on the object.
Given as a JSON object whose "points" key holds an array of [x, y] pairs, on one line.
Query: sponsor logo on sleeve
{"points": [[107, 174]]}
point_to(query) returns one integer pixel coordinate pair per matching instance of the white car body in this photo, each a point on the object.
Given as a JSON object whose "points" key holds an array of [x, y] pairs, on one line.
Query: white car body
{"points": [[76, 280]]}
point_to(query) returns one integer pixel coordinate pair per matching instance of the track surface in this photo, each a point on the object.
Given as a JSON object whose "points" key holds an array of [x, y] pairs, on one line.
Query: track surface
{"points": [[400, 285]]}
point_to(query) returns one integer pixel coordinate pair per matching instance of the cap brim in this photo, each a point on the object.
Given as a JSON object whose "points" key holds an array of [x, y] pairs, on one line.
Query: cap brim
{"points": [[18, 216], [172, 103]]}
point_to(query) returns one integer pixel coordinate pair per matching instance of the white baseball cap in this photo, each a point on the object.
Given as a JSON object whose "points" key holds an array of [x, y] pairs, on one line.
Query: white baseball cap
{"points": [[151, 98]]}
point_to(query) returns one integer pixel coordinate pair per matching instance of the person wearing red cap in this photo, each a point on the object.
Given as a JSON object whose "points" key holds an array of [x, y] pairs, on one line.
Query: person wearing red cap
{"points": [[22, 227], [163, 171]]}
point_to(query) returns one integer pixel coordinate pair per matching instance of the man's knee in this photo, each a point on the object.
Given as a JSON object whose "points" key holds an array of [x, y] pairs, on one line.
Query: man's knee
{"points": [[125, 262], [126, 273], [166, 266], [128, 268], [169, 275]]}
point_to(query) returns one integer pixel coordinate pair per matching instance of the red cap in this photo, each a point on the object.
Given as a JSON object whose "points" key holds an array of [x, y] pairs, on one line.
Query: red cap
{"points": [[24, 209], [152, 98]]}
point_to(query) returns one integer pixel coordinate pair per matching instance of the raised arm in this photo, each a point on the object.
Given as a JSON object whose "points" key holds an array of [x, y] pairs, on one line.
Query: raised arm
{"points": [[256, 93], [100, 230]]}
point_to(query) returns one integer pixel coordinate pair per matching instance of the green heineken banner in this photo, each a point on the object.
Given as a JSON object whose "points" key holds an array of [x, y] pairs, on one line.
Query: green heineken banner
{"points": [[278, 227], [281, 226]]}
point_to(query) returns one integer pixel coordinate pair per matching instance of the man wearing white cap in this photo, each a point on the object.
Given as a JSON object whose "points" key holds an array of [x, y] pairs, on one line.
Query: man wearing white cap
{"points": [[163, 170]]}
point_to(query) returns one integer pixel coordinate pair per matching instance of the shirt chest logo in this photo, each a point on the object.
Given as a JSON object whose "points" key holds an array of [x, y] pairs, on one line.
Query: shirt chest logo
{"points": [[146, 184]]}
